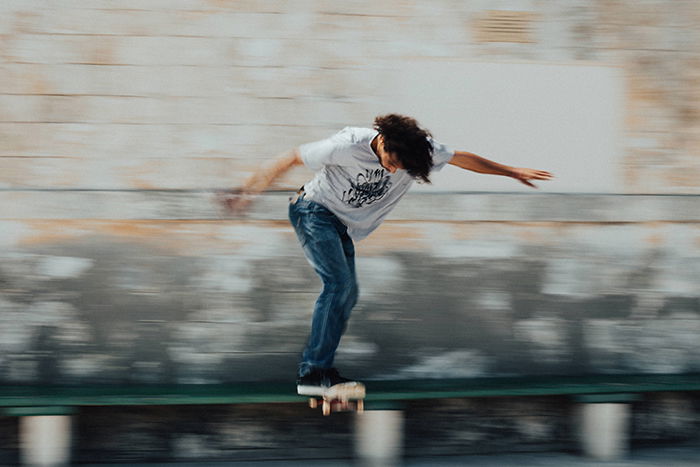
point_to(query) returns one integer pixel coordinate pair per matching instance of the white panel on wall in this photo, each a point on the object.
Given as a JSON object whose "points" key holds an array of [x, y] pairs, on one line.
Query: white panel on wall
{"points": [[563, 118]]}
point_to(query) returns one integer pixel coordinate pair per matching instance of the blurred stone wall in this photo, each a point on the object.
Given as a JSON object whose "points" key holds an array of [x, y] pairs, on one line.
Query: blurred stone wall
{"points": [[117, 120], [461, 285]]}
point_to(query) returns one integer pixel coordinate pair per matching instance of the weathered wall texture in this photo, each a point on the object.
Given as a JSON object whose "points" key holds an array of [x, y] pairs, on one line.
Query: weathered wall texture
{"points": [[549, 286], [117, 119], [196, 93], [116, 266]]}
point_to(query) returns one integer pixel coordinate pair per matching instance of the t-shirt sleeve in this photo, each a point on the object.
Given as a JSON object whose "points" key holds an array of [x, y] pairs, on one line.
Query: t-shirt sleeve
{"points": [[327, 151], [441, 155]]}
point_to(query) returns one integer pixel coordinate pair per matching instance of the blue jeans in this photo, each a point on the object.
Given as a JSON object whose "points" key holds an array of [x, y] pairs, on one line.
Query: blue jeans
{"points": [[331, 252]]}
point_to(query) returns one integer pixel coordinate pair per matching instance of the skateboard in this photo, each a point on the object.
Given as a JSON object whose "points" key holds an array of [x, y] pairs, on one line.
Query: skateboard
{"points": [[340, 398]]}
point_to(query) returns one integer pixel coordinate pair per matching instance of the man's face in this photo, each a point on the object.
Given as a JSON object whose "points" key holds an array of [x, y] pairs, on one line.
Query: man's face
{"points": [[387, 160]]}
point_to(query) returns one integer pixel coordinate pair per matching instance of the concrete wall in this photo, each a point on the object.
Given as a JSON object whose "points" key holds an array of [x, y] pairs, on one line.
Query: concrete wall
{"points": [[117, 121], [464, 285], [196, 93]]}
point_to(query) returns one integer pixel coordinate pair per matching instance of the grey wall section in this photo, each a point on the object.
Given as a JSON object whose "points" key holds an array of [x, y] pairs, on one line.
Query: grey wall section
{"points": [[454, 285]]}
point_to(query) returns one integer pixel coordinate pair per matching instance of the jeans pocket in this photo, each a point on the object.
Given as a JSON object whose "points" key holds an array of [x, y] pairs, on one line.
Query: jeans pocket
{"points": [[295, 198]]}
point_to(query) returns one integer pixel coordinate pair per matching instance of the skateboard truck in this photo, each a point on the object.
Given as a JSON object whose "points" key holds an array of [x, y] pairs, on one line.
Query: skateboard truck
{"points": [[336, 405], [341, 398]]}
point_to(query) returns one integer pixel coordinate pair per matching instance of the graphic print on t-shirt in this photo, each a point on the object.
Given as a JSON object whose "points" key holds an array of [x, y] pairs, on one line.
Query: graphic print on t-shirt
{"points": [[369, 186]]}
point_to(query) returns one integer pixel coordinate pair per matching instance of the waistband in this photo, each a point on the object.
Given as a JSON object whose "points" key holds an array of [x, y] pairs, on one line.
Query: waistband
{"points": [[293, 199]]}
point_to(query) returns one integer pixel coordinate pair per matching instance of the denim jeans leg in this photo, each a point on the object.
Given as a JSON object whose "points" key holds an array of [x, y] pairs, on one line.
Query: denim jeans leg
{"points": [[330, 251]]}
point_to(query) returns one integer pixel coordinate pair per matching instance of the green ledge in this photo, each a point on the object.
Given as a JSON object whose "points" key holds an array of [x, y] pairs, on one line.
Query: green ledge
{"points": [[23, 399]]}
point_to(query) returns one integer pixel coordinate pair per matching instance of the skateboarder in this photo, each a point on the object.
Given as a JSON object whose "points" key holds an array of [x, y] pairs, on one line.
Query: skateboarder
{"points": [[361, 174]]}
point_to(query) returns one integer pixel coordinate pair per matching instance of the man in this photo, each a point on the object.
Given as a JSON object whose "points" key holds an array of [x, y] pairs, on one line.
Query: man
{"points": [[361, 174]]}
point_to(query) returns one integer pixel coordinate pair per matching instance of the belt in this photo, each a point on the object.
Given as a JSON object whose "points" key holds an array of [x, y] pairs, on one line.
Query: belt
{"points": [[297, 195]]}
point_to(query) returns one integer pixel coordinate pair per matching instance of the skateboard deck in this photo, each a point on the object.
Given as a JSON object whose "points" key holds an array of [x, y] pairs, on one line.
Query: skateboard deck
{"points": [[340, 398]]}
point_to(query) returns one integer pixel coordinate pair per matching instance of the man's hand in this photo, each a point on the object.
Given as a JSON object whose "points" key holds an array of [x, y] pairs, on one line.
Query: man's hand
{"points": [[525, 175], [234, 202]]}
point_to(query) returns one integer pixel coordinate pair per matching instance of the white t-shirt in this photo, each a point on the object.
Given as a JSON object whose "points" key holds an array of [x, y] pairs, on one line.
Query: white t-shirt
{"points": [[351, 182]]}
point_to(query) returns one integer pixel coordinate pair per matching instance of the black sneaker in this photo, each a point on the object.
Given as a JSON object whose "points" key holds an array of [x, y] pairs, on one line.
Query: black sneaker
{"points": [[318, 381], [333, 377]]}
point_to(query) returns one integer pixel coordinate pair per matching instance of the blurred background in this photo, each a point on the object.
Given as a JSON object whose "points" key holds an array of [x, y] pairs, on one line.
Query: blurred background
{"points": [[119, 121]]}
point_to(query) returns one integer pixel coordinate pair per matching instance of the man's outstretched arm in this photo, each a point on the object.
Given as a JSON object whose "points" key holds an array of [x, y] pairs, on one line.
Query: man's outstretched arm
{"points": [[237, 200], [469, 161]]}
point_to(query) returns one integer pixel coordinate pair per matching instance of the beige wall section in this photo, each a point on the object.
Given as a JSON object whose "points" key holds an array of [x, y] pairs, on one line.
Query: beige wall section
{"points": [[195, 94]]}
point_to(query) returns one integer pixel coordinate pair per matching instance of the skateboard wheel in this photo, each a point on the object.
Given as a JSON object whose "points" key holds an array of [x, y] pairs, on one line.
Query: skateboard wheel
{"points": [[313, 403], [360, 406], [326, 408]]}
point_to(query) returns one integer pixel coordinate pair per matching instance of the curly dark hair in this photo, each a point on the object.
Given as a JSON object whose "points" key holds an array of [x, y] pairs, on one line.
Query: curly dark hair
{"points": [[404, 138]]}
